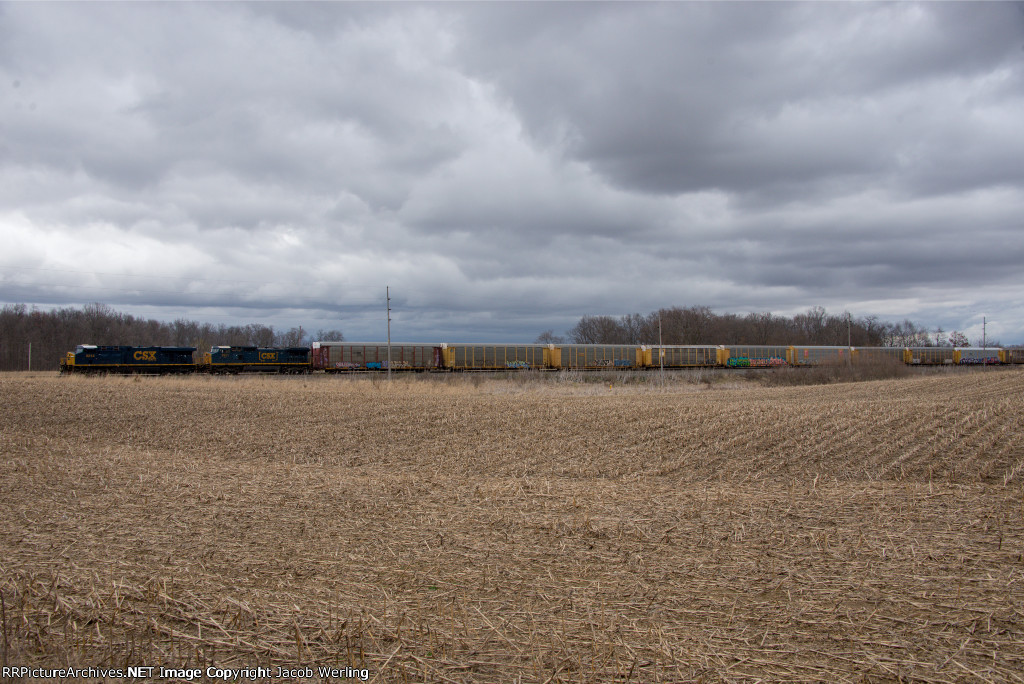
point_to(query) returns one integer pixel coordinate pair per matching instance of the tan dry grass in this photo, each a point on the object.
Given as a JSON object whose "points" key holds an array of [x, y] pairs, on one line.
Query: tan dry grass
{"points": [[481, 530]]}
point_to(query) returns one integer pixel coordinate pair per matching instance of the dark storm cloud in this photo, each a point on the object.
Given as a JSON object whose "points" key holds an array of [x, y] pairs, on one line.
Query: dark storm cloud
{"points": [[747, 97], [510, 167]]}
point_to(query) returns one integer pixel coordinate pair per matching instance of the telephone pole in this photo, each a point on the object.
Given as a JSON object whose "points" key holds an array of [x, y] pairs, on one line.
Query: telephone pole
{"points": [[849, 341], [661, 351], [387, 293]]}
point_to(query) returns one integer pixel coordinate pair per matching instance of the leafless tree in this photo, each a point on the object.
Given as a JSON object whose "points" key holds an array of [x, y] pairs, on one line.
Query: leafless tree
{"points": [[958, 339], [549, 337], [328, 336], [295, 337], [596, 330]]}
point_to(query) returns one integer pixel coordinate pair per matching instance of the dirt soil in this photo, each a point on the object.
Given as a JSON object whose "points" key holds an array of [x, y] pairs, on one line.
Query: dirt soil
{"points": [[456, 530]]}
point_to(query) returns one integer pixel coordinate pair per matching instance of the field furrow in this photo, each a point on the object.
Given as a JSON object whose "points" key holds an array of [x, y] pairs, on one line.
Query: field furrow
{"points": [[484, 529]]}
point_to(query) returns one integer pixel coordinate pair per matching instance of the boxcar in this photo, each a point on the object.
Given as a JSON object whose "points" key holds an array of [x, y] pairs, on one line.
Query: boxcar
{"points": [[1013, 355], [982, 356], [355, 356], [928, 356], [252, 359], [681, 356], [879, 355], [91, 358], [752, 356], [597, 356], [495, 357], [801, 355]]}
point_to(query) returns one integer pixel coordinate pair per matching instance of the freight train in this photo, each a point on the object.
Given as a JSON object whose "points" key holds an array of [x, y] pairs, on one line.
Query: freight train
{"points": [[342, 357], [91, 358]]}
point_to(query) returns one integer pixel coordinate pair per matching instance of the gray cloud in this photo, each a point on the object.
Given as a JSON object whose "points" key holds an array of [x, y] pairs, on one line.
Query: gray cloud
{"points": [[756, 98], [510, 167]]}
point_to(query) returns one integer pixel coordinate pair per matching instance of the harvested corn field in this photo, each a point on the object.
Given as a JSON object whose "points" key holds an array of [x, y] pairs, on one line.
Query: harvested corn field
{"points": [[490, 530]]}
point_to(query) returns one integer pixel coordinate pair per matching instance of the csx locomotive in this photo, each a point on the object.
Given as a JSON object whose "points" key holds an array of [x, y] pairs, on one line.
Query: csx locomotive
{"points": [[341, 357], [90, 358]]}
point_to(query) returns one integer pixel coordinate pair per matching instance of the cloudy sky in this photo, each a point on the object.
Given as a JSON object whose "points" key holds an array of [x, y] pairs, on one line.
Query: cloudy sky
{"points": [[509, 168]]}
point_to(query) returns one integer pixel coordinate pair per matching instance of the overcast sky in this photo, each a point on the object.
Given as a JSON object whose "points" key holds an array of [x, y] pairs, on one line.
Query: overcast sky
{"points": [[509, 168]]}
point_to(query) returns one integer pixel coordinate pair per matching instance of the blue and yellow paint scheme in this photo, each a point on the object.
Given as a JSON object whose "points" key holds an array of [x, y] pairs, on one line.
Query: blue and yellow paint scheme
{"points": [[251, 359], [91, 358]]}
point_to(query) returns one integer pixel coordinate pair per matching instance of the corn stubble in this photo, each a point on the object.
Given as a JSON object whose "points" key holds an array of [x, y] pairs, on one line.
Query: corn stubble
{"points": [[471, 530]]}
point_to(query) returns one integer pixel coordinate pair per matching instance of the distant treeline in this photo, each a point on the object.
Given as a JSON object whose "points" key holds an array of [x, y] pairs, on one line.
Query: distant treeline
{"points": [[700, 325], [54, 333]]}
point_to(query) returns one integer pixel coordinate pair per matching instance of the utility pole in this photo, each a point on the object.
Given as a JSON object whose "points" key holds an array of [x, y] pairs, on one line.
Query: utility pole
{"points": [[30, 356], [661, 351], [387, 293], [984, 331], [849, 342]]}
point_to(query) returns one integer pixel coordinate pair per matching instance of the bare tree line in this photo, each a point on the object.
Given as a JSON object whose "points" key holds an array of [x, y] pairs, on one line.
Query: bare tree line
{"points": [[54, 333], [700, 325]]}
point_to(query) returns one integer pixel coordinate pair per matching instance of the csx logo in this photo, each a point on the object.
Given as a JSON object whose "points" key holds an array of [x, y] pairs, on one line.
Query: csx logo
{"points": [[268, 356], [145, 356]]}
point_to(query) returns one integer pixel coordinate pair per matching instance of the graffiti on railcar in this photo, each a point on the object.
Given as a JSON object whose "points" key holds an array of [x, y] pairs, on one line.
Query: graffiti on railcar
{"points": [[744, 362]]}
